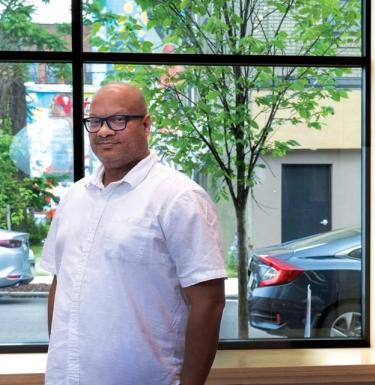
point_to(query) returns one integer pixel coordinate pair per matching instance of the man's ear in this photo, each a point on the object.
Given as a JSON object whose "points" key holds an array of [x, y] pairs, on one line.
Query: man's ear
{"points": [[147, 124]]}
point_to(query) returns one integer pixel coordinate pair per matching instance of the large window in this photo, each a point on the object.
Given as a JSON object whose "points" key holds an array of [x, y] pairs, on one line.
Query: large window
{"points": [[263, 103]]}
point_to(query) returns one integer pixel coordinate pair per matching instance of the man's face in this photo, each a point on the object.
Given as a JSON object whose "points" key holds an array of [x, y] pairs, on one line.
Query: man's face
{"points": [[119, 149]]}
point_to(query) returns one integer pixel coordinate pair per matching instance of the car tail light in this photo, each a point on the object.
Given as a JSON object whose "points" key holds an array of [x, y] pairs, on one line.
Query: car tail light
{"points": [[14, 276], [273, 271], [10, 243]]}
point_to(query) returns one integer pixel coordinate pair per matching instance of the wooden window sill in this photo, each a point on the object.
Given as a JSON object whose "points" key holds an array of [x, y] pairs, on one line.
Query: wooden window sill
{"points": [[294, 366], [241, 367]]}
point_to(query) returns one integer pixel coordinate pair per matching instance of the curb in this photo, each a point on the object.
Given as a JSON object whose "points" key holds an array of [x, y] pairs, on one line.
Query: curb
{"points": [[19, 294], [42, 294], [45, 294]]}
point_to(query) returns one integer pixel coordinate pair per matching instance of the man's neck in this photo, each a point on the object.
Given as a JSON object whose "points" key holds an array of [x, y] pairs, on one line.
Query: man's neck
{"points": [[110, 176]]}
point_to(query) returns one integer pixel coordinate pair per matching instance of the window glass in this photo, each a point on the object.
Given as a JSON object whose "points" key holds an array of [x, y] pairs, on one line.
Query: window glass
{"points": [[36, 156], [286, 140], [267, 27], [35, 25]]}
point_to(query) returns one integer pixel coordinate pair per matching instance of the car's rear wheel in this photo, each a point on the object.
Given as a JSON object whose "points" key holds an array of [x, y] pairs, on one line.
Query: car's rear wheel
{"points": [[343, 321]]}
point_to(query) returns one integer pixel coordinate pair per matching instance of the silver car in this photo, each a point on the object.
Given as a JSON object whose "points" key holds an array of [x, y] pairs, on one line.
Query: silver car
{"points": [[17, 263]]}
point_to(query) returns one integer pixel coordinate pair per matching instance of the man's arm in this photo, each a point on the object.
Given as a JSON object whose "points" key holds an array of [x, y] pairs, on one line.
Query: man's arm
{"points": [[51, 302], [207, 301]]}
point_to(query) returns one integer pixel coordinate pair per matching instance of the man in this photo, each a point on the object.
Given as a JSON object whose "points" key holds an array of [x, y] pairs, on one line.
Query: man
{"points": [[138, 288]]}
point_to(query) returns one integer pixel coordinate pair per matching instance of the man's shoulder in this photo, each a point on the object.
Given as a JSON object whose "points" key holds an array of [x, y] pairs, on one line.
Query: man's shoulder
{"points": [[172, 187], [80, 184], [74, 188], [171, 179]]}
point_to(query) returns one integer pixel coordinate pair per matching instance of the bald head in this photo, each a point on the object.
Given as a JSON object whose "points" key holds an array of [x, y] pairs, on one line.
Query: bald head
{"points": [[128, 94]]}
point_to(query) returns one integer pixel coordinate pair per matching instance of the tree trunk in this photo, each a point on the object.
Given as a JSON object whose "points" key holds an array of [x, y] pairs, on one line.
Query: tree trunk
{"points": [[12, 98], [13, 109], [243, 328]]}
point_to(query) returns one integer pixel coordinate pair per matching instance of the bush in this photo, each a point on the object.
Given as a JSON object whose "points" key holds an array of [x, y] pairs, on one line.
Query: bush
{"points": [[38, 231]]}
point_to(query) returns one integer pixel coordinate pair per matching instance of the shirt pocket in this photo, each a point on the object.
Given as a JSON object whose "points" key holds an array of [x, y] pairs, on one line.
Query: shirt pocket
{"points": [[134, 240]]}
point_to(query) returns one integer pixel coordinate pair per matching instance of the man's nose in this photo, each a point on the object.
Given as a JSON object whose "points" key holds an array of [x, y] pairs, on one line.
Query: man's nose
{"points": [[105, 130]]}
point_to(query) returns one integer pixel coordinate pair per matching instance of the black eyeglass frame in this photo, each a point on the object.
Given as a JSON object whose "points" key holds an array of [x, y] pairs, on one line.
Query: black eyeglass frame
{"points": [[128, 118]]}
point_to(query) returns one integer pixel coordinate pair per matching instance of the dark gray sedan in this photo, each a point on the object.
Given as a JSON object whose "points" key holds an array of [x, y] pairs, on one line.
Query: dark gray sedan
{"points": [[308, 287], [17, 263]]}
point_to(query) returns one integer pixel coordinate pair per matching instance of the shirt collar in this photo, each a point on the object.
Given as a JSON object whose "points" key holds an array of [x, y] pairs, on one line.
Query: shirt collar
{"points": [[134, 177]]}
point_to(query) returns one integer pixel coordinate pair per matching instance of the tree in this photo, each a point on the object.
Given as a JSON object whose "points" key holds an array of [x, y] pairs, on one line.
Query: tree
{"points": [[21, 195], [18, 32], [219, 119]]}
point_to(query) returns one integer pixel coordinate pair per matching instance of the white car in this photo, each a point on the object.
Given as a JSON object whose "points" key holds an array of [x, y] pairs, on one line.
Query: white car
{"points": [[17, 262]]}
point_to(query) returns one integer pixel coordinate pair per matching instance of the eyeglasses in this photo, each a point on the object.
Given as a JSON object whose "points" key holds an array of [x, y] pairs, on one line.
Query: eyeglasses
{"points": [[114, 122]]}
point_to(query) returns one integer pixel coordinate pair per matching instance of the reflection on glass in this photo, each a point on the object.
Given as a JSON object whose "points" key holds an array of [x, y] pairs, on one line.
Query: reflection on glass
{"points": [[36, 154], [266, 27], [276, 147], [35, 25]]}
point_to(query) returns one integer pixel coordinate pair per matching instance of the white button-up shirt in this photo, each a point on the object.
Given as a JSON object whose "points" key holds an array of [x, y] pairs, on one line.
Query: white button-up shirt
{"points": [[121, 254]]}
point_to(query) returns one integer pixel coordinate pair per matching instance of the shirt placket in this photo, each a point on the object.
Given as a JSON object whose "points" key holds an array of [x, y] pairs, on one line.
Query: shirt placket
{"points": [[101, 199]]}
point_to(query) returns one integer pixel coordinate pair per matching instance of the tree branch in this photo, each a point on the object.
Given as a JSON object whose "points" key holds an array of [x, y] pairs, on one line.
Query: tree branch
{"points": [[231, 33], [210, 144]]}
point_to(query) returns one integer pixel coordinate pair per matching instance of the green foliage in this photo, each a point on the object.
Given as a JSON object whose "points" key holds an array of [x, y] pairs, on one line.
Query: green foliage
{"points": [[23, 196], [218, 120], [37, 231], [231, 259], [121, 31], [61, 71], [19, 32]]}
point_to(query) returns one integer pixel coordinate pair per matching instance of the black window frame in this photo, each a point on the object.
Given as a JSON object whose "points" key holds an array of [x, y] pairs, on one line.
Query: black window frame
{"points": [[77, 57]]}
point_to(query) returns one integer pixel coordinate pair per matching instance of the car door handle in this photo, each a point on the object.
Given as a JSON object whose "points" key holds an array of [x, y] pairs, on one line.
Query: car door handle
{"points": [[324, 222]]}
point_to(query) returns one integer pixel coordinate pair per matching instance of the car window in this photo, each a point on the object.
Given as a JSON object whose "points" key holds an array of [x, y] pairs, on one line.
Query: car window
{"points": [[357, 253], [354, 252]]}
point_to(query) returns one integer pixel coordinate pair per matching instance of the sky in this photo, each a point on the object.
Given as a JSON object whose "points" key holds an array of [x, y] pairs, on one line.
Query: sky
{"points": [[57, 11]]}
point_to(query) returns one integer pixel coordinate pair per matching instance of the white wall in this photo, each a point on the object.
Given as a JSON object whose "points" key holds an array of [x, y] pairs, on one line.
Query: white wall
{"points": [[346, 192], [264, 217]]}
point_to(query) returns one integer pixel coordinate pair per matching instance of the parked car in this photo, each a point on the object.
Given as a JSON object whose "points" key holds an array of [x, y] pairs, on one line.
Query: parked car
{"points": [[308, 287], [17, 262]]}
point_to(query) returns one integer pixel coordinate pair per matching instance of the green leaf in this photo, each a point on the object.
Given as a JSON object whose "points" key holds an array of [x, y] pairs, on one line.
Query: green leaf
{"points": [[316, 125], [184, 4], [147, 46], [213, 95]]}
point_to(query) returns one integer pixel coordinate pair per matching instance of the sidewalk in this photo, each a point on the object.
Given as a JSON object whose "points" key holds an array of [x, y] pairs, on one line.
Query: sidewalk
{"points": [[231, 288], [42, 279]]}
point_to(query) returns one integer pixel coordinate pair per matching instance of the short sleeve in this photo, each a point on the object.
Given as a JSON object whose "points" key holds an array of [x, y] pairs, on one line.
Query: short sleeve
{"points": [[48, 262], [193, 238], [49, 253], [48, 259]]}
